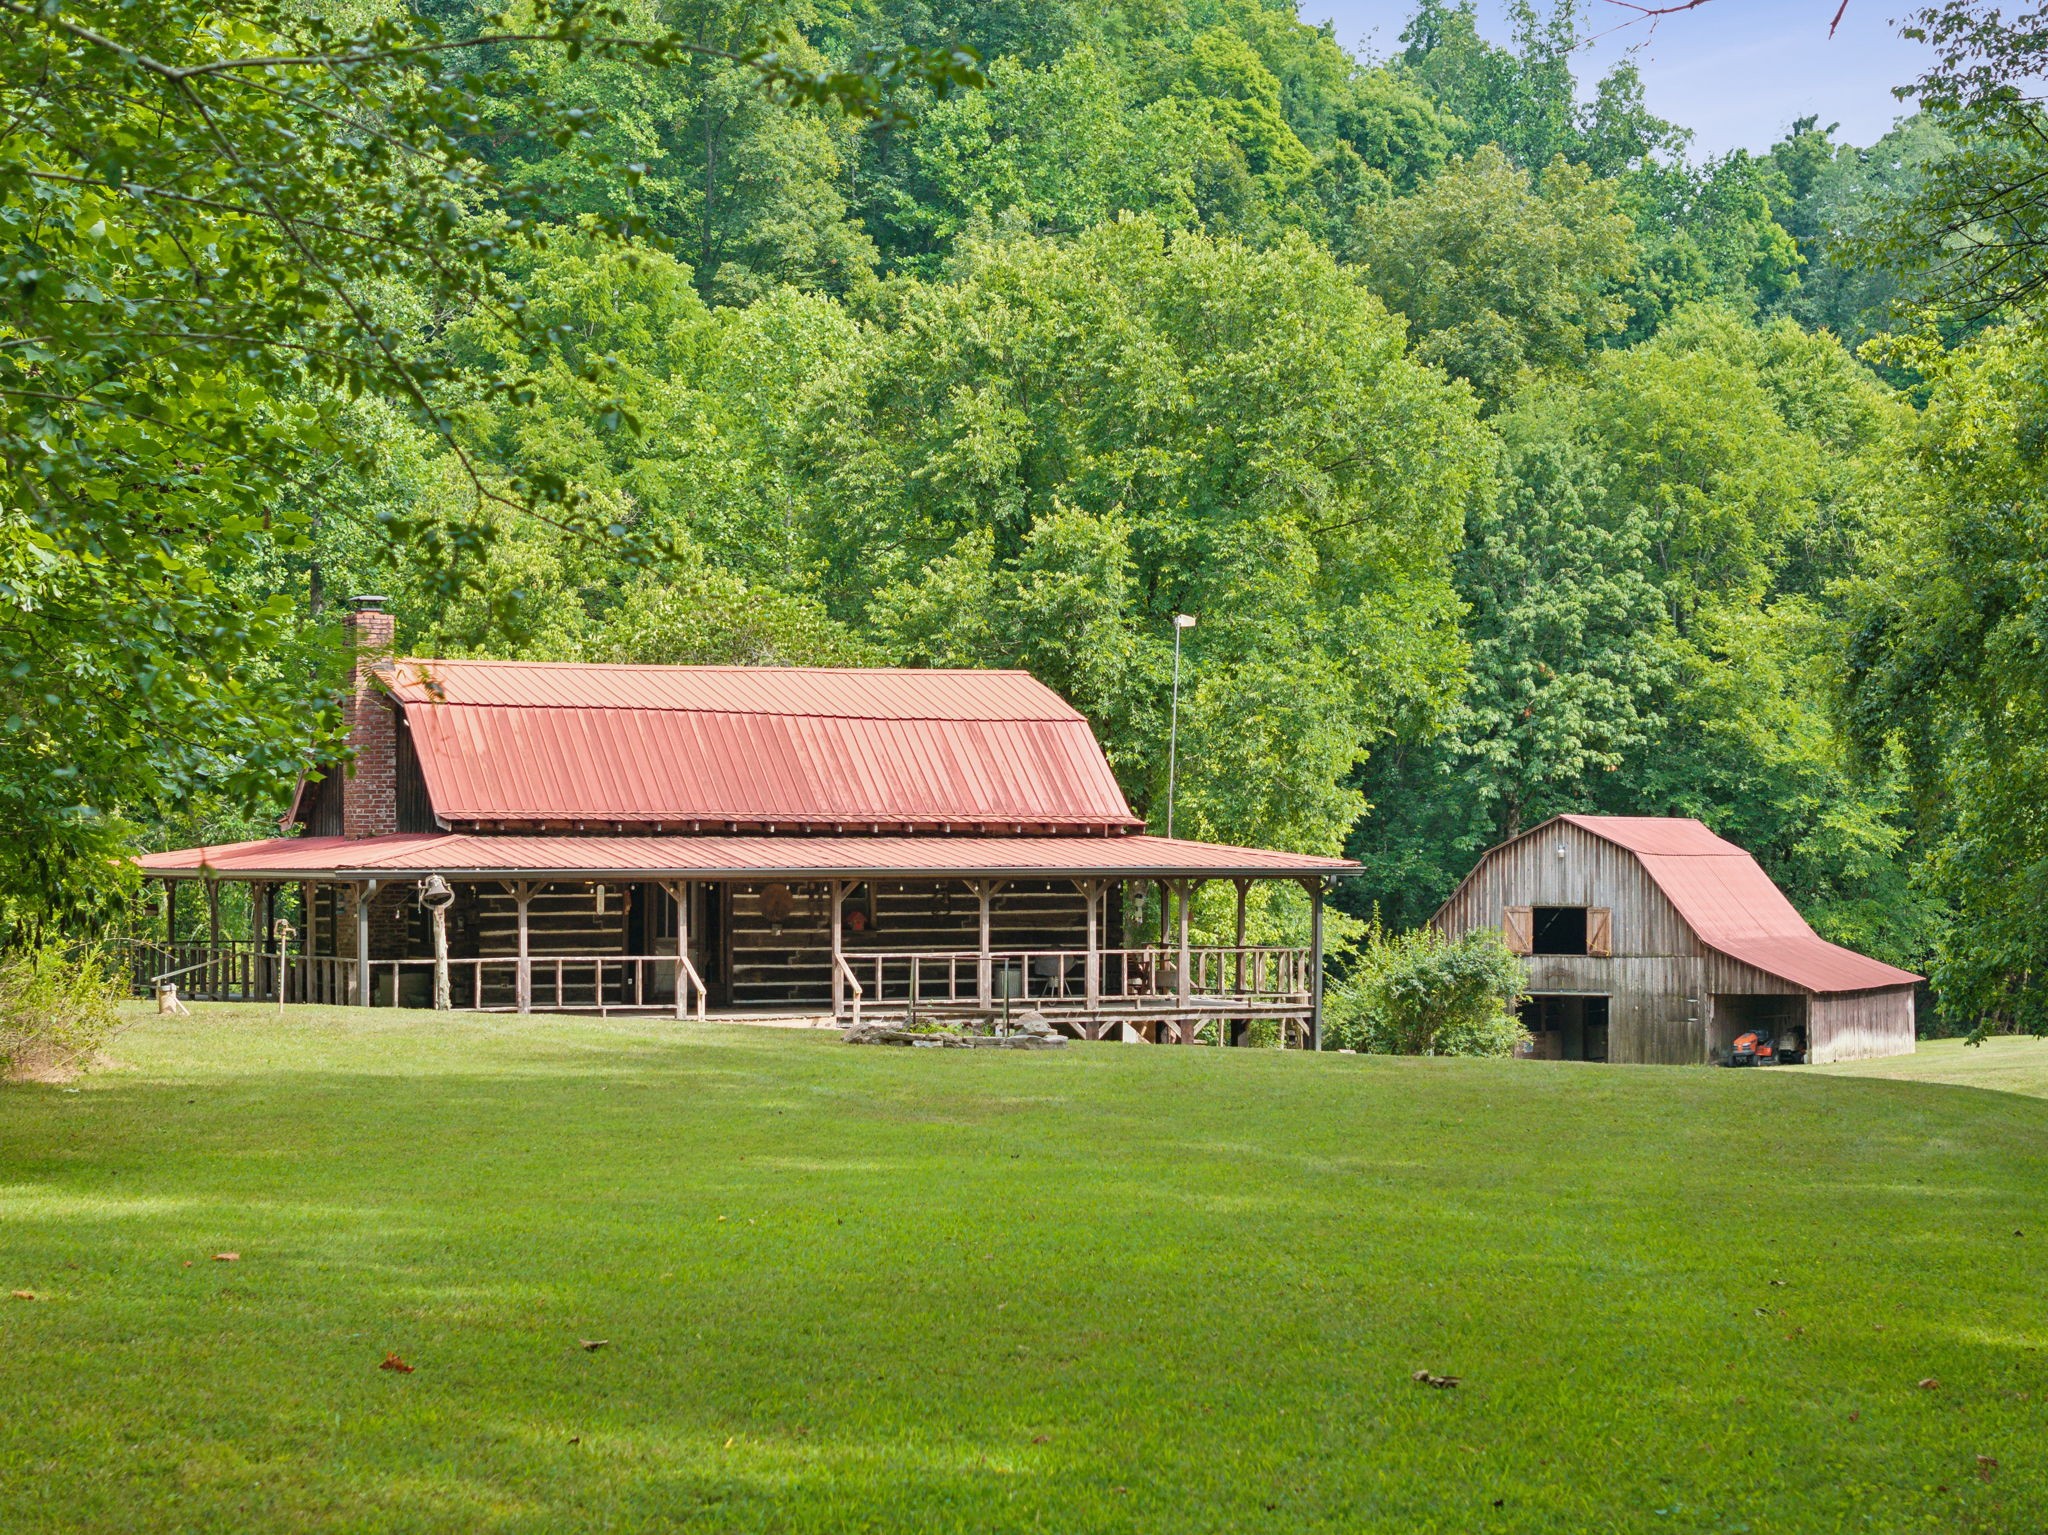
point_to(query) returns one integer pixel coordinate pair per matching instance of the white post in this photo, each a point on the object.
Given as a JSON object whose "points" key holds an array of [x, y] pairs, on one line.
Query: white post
{"points": [[1181, 623], [443, 1001], [984, 970], [838, 948], [522, 893], [1315, 973], [365, 894], [680, 893], [1091, 892], [1185, 990], [1241, 887]]}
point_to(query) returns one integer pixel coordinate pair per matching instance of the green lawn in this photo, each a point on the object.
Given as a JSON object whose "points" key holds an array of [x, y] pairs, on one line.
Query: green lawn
{"points": [[2009, 1065], [1109, 1288]]}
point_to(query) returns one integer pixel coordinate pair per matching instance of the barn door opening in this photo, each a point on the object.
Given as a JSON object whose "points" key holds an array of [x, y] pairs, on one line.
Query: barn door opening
{"points": [[1780, 1019], [1564, 1028]]}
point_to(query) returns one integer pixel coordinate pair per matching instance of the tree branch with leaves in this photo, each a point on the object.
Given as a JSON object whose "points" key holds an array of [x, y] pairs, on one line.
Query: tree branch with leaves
{"points": [[219, 224]]}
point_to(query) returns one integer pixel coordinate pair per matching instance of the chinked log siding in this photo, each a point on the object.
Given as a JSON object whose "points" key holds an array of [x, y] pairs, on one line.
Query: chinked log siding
{"points": [[791, 961]]}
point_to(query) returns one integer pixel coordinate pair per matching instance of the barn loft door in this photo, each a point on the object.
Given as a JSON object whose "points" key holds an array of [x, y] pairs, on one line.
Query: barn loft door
{"points": [[1518, 926], [1599, 931]]}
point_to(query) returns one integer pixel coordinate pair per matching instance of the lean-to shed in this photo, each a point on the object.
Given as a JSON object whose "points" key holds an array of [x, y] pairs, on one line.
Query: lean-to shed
{"points": [[1651, 940]]}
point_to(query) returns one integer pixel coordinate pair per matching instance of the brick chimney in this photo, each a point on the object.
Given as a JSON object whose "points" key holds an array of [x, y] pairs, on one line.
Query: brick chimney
{"points": [[369, 796]]}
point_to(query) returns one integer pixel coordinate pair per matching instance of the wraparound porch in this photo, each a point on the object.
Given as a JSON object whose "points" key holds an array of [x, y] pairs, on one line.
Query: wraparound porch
{"points": [[1102, 954]]}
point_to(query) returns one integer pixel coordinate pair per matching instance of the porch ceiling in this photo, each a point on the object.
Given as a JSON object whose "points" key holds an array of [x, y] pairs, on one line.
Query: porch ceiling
{"points": [[791, 858]]}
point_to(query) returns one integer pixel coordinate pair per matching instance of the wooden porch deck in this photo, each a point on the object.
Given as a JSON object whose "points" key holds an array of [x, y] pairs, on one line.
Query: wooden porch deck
{"points": [[1158, 993]]}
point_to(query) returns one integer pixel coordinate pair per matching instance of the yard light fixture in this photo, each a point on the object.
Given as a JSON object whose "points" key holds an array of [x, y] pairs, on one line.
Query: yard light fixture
{"points": [[1181, 623]]}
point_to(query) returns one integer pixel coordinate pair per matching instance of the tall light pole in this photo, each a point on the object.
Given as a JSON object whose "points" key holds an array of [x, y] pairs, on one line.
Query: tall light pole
{"points": [[1182, 622]]}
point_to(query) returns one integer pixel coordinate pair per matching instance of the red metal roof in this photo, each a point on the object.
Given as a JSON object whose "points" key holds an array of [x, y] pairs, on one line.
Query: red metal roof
{"points": [[522, 741], [783, 857], [1733, 906]]}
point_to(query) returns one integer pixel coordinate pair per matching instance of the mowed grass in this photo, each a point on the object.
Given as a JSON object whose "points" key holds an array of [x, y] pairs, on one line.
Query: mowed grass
{"points": [[1108, 1288], [2006, 1065]]}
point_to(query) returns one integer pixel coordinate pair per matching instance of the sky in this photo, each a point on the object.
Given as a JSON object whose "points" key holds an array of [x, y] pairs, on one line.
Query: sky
{"points": [[1736, 72]]}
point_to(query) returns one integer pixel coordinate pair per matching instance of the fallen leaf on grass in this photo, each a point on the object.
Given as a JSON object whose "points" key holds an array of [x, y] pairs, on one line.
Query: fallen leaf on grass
{"points": [[24, 1295], [1441, 1382], [227, 1257], [1855, 1417], [592, 1345], [1041, 1438], [1930, 1384], [1779, 1283], [393, 1362], [1986, 1466]]}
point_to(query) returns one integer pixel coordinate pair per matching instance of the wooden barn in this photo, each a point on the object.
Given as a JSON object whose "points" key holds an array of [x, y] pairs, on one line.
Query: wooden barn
{"points": [[1651, 940], [736, 839]]}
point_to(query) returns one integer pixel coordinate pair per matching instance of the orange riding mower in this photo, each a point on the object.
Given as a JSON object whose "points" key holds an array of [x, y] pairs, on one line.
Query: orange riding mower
{"points": [[1759, 1048]]}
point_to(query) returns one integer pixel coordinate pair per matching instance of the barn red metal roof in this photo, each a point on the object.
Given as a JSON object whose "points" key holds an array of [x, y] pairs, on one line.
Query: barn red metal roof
{"points": [[692, 746], [1727, 899], [783, 857]]}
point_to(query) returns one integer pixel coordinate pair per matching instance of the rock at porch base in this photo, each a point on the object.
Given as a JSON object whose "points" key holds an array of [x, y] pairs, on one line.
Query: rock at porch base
{"points": [[1028, 1031]]}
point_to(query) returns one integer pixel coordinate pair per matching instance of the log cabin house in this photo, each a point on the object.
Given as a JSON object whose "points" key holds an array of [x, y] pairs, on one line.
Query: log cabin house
{"points": [[738, 840], [1650, 939]]}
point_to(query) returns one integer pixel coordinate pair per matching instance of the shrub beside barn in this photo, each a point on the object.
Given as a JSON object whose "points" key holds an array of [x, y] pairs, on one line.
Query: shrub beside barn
{"points": [[1650, 940]]}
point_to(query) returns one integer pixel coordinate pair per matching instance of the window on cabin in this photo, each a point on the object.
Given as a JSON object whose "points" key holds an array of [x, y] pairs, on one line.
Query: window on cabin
{"points": [[1558, 930]]}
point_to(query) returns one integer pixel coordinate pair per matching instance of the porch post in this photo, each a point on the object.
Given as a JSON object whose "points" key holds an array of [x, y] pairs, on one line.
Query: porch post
{"points": [[366, 892], [679, 892], [1185, 989], [1091, 892], [984, 969], [259, 923], [170, 914], [1242, 885], [1315, 963], [838, 948], [522, 984]]}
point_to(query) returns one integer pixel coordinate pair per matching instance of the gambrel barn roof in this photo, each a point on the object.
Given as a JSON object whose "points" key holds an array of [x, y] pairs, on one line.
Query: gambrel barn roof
{"points": [[1730, 903]]}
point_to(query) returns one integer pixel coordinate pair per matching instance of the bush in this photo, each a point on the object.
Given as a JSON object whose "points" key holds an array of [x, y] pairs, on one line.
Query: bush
{"points": [[1421, 993], [56, 1010]]}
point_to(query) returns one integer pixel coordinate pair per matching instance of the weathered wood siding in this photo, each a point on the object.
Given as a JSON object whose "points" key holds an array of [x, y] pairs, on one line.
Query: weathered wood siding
{"points": [[1669, 990], [1858, 1025], [1657, 973]]}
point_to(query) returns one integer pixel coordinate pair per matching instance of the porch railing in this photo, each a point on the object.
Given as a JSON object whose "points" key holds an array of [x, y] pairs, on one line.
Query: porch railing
{"points": [[239, 971], [1255, 978]]}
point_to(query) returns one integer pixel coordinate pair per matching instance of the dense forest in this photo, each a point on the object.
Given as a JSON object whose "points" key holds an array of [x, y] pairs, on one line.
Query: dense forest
{"points": [[1514, 458]]}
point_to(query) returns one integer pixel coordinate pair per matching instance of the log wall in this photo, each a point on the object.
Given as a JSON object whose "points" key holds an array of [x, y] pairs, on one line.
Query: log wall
{"points": [[790, 963]]}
